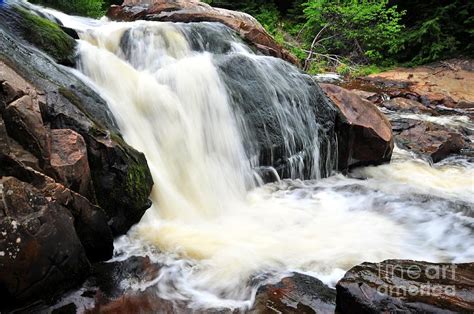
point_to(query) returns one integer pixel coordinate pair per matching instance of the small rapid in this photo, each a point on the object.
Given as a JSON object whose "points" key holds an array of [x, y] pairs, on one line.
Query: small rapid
{"points": [[201, 105]]}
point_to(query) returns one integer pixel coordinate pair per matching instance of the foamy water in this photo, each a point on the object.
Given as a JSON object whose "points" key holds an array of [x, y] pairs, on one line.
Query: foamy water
{"points": [[212, 227]]}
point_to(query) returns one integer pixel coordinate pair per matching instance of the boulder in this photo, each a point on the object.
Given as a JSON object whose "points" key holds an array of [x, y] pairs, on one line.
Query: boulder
{"points": [[364, 133], [195, 11], [295, 294], [40, 253], [407, 287], [428, 139]]}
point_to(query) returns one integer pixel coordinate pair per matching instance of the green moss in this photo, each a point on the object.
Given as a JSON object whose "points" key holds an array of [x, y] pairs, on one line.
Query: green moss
{"points": [[47, 36], [136, 185]]}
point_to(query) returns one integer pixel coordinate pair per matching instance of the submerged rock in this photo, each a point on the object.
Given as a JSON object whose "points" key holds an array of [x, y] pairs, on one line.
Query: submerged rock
{"points": [[195, 11], [407, 286], [295, 294], [364, 133]]}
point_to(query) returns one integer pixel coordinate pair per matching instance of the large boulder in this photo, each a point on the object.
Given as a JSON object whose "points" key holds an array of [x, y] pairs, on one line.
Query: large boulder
{"points": [[407, 287], [195, 11], [364, 133], [40, 252], [295, 294]]}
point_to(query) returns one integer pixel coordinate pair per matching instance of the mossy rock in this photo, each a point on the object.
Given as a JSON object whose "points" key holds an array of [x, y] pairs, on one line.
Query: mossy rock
{"points": [[46, 36]]}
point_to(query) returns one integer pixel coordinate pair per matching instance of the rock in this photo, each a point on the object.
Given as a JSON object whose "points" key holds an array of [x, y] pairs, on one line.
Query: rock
{"points": [[296, 294], [365, 134], [407, 287], [428, 139], [20, 19], [69, 161], [195, 11], [120, 175], [24, 122], [70, 182], [407, 105], [40, 254]]}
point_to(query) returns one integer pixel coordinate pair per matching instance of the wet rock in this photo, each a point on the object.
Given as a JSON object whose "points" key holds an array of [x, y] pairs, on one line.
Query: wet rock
{"points": [[407, 105], [428, 139], [296, 294], [69, 181], [365, 136], [40, 253], [27, 24], [407, 287], [120, 175], [195, 11]]}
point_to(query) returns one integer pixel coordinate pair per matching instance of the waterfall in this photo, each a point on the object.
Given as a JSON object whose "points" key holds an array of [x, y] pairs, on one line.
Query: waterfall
{"points": [[216, 121]]}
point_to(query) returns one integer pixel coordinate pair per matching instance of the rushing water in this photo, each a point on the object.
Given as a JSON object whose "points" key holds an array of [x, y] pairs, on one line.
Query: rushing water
{"points": [[184, 94]]}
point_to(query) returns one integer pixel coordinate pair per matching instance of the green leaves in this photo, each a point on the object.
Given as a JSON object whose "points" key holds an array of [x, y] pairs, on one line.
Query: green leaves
{"points": [[364, 31]]}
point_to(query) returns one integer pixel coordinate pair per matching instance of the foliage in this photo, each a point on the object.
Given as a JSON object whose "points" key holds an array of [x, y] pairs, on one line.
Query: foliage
{"points": [[437, 29], [365, 31], [91, 8]]}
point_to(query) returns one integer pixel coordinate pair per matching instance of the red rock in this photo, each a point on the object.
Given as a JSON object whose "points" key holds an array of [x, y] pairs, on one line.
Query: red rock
{"points": [[38, 244], [25, 124], [429, 139], [195, 11], [69, 160], [295, 294], [367, 137]]}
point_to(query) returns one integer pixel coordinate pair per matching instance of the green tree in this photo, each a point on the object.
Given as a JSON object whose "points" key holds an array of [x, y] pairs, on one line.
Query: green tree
{"points": [[367, 31]]}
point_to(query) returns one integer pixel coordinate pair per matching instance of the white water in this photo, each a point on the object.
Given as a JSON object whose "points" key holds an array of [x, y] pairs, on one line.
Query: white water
{"points": [[212, 227]]}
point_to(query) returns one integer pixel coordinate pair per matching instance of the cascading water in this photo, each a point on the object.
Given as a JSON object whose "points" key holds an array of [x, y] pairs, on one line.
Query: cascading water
{"points": [[208, 112]]}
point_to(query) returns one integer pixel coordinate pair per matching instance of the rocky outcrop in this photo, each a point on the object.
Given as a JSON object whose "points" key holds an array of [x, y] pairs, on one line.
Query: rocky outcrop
{"points": [[406, 287], [295, 294], [195, 11], [69, 182], [364, 133], [120, 178]]}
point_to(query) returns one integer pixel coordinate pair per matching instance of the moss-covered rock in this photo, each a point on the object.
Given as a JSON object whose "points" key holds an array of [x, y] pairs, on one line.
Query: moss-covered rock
{"points": [[39, 32], [46, 36]]}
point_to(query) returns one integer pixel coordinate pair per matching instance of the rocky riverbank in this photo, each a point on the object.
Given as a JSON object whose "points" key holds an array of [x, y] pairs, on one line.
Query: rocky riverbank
{"points": [[431, 107]]}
